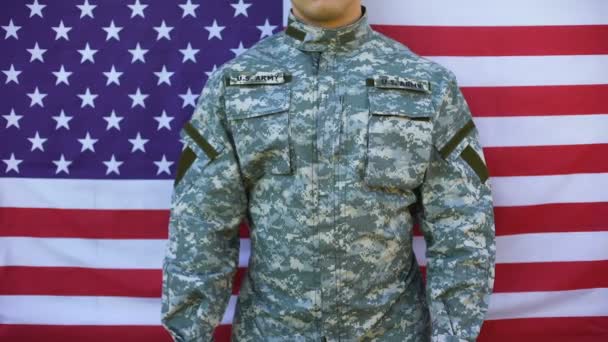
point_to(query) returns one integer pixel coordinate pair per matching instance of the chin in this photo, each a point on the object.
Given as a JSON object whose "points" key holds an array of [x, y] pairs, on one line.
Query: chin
{"points": [[322, 10]]}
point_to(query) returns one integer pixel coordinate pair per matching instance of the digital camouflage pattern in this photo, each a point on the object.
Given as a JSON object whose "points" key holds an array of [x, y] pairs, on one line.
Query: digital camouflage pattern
{"points": [[330, 142]]}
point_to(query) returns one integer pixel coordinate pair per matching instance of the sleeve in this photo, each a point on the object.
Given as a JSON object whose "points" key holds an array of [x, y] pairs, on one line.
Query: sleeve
{"points": [[208, 203], [457, 222]]}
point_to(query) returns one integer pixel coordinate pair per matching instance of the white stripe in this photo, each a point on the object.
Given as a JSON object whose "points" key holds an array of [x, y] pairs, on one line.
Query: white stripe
{"points": [[574, 303], [88, 310], [148, 254], [535, 190], [93, 253], [229, 312], [541, 247], [244, 252], [551, 247], [85, 193], [107, 310], [79, 310], [542, 130], [507, 191], [527, 70], [73, 252], [482, 12], [487, 13]]}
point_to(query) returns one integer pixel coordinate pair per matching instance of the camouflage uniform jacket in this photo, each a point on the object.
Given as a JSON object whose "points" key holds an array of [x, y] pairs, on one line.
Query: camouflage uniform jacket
{"points": [[330, 142]]}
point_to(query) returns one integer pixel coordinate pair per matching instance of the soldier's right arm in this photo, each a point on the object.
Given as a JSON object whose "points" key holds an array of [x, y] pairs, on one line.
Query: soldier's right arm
{"points": [[207, 206]]}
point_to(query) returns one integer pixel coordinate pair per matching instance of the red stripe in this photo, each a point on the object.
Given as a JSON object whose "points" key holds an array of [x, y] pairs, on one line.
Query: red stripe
{"points": [[19, 280], [537, 100], [241, 272], [85, 223], [551, 276], [500, 41], [546, 160], [551, 218], [88, 333], [222, 333], [563, 329], [548, 276], [548, 218], [88, 223], [559, 329], [78, 281], [27, 280], [509, 220]]}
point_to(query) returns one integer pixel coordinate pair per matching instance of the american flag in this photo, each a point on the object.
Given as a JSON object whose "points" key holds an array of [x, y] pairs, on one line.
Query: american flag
{"points": [[93, 94]]}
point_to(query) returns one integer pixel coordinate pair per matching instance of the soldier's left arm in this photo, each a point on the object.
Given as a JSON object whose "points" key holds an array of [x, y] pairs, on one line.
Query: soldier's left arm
{"points": [[457, 222]]}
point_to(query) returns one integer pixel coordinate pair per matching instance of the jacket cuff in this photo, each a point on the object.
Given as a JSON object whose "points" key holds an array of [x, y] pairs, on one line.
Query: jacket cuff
{"points": [[448, 338]]}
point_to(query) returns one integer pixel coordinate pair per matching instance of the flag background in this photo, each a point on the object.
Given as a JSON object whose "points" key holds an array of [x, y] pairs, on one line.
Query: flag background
{"points": [[84, 200]]}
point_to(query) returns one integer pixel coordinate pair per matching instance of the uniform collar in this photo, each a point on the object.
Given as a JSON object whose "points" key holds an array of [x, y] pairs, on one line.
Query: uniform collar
{"points": [[309, 37]]}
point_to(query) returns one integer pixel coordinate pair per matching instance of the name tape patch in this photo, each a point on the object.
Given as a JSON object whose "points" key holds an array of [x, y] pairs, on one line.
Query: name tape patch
{"points": [[261, 77], [398, 82]]}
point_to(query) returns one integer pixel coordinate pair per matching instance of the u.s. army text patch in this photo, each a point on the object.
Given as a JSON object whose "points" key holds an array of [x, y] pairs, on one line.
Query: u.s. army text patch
{"points": [[260, 77], [398, 82]]}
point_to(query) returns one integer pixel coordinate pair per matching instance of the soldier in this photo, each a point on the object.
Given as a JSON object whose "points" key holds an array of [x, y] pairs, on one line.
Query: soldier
{"points": [[323, 137]]}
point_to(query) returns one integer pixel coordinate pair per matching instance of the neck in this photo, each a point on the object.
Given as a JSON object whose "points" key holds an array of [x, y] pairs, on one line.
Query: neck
{"points": [[350, 15]]}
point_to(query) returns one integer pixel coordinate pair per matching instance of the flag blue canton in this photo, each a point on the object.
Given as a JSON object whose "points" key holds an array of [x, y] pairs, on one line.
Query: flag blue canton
{"points": [[100, 89]]}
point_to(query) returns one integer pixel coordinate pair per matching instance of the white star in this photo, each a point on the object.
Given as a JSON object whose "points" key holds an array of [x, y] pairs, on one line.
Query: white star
{"points": [[12, 163], [189, 53], [62, 31], [36, 97], [240, 8], [137, 9], [266, 29], [12, 119], [62, 76], [188, 9], [11, 30], [112, 165], [138, 54], [138, 143], [62, 120], [212, 71], [36, 9], [36, 53], [189, 98], [164, 121], [113, 76], [239, 50], [62, 165], [163, 31], [37, 142], [163, 166], [138, 98], [87, 54], [113, 121], [215, 30], [12, 74], [86, 9], [87, 143], [112, 31], [87, 98], [163, 76]]}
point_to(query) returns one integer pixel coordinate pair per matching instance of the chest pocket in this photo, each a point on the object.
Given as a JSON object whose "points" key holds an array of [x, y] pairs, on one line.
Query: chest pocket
{"points": [[399, 138], [259, 119]]}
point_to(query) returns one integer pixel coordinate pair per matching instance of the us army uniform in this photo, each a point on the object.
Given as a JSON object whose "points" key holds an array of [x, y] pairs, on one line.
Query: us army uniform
{"points": [[330, 142]]}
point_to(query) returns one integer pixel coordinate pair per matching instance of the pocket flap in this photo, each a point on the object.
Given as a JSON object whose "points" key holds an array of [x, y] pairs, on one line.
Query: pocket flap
{"points": [[401, 103], [251, 101]]}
